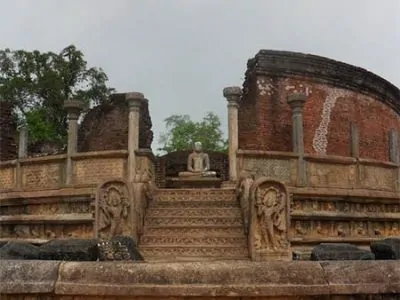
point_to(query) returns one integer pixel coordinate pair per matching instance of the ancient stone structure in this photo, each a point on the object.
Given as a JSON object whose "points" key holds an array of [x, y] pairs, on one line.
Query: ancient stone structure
{"points": [[313, 173]]}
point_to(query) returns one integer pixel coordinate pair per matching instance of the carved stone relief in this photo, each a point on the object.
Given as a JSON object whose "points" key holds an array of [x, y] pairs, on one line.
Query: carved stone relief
{"points": [[349, 219], [269, 224], [112, 209]]}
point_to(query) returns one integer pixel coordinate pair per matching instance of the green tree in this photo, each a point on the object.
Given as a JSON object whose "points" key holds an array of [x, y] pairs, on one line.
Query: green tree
{"points": [[183, 132], [37, 83]]}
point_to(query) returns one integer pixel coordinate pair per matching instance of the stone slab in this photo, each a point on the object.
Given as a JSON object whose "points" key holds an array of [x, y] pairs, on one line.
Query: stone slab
{"points": [[28, 276], [362, 277], [219, 278]]}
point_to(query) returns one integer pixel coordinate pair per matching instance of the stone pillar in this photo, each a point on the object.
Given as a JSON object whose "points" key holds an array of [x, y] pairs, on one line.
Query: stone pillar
{"points": [[23, 141], [296, 102], [354, 140], [134, 100], [232, 95], [73, 108], [394, 152]]}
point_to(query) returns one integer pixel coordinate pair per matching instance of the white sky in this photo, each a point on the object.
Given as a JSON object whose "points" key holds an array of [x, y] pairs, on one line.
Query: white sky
{"points": [[182, 53]]}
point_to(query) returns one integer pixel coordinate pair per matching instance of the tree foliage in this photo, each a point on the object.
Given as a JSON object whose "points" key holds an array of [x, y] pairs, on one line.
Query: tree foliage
{"points": [[37, 83], [183, 132]]}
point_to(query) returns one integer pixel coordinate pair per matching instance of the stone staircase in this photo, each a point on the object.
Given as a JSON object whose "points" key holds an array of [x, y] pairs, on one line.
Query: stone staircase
{"points": [[194, 224]]}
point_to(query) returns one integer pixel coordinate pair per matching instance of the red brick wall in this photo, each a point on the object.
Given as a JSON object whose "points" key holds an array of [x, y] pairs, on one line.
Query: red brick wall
{"points": [[265, 111], [105, 127]]}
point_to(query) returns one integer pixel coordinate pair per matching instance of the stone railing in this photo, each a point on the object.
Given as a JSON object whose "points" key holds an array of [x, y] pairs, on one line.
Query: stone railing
{"points": [[268, 280], [322, 172], [49, 172]]}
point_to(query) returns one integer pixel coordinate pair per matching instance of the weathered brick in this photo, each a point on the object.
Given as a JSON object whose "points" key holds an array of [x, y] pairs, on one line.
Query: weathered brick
{"points": [[265, 117]]}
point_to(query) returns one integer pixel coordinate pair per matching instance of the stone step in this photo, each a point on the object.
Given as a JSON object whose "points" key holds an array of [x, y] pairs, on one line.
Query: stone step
{"points": [[209, 231], [176, 253], [156, 241], [194, 212], [192, 222], [174, 195], [194, 204]]}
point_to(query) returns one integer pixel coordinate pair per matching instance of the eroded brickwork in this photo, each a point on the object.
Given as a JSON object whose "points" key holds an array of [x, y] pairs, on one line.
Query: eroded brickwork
{"points": [[265, 117], [105, 127], [8, 130]]}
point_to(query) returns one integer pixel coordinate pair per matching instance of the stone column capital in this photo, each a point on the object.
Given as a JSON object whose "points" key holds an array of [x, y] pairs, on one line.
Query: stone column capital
{"points": [[73, 108], [296, 101], [232, 94], [134, 100]]}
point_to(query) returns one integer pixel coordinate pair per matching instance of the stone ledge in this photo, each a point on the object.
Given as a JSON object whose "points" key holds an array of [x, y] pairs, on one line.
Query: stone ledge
{"points": [[236, 278]]}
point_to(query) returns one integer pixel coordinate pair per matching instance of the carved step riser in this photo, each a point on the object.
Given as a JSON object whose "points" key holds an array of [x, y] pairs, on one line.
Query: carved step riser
{"points": [[177, 240], [185, 212], [195, 204], [194, 195], [194, 252], [193, 222], [198, 232]]}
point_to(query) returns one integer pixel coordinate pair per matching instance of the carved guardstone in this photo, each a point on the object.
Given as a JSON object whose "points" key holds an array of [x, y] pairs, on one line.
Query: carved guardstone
{"points": [[113, 210], [269, 221]]}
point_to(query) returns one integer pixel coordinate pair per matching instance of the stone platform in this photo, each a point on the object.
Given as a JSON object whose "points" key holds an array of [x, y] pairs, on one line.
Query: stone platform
{"points": [[210, 280]]}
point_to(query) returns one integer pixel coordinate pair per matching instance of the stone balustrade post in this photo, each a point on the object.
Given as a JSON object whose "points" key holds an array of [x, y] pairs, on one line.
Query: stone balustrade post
{"points": [[74, 109], [134, 100], [232, 95], [296, 103]]}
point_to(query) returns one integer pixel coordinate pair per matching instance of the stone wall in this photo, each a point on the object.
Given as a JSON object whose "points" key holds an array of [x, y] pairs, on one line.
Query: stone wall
{"points": [[200, 280], [8, 133], [339, 95], [105, 127], [169, 165]]}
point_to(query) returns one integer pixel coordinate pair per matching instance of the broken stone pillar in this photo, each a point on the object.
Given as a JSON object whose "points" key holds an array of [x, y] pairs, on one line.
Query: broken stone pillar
{"points": [[134, 100], [296, 102], [232, 95], [73, 108], [23, 141]]}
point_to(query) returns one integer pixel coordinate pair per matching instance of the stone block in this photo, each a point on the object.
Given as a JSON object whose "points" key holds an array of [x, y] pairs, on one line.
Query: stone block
{"points": [[27, 277], [16, 250], [119, 248], [386, 249], [70, 250], [340, 251]]}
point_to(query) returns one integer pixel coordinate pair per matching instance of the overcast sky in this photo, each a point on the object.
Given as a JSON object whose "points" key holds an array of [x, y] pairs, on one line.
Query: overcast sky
{"points": [[182, 53]]}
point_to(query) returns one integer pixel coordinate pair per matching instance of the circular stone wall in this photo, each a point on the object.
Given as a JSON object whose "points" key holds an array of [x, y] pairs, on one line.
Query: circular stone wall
{"points": [[339, 96]]}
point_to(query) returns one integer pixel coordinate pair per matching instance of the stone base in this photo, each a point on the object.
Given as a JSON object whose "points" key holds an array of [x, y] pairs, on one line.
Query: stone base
{"points": [[264, 255], [193, 182]]}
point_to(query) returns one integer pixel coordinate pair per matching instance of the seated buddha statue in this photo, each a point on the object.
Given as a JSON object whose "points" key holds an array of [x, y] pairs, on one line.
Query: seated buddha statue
{"points": [[198, 164]]}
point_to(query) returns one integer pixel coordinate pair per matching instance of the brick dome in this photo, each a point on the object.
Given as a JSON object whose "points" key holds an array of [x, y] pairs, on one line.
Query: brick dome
{"points": [[339, 95]]}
